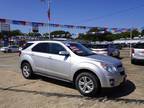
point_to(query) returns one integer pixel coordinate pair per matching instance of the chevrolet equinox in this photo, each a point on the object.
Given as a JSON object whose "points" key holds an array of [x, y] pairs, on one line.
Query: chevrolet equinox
{"points": [[71, 61]]}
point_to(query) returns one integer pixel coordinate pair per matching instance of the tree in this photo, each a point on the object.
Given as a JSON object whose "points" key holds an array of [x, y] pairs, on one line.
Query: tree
{"points": [[46, 34], [142, 32], [135, 33], [33, 34], [95, 34], [61, 34], [15, 33], [1, 36], [125, 35]]}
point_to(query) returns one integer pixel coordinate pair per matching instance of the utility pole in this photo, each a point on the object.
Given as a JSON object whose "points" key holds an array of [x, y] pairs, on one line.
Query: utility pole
{"points": [[49, 12], [131, 33]]}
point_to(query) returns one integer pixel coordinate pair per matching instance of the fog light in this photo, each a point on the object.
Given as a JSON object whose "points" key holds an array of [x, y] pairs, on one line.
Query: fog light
{"points": [[112, 82]]}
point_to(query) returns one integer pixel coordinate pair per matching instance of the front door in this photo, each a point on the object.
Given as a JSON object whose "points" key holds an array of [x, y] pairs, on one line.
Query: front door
{"points": [[59, 64]]}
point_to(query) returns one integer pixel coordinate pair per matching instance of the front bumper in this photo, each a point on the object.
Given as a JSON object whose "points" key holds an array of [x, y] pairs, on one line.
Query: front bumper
{"points": [[114, 80]]}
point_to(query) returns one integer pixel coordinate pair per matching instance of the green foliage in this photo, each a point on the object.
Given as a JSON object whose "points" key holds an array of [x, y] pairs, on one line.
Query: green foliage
{"points": [[59, 34], [142, 32], [135, 33], [32, 34], [15, 33], [1, 36], [95, 35]]}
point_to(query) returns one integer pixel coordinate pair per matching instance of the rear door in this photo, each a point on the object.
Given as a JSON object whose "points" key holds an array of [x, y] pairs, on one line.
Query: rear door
{"points": [[14, 49], [41, 57]]}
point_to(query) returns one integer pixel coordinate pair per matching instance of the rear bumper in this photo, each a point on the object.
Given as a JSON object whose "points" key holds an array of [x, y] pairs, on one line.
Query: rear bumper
{"points": [[135, 59]]}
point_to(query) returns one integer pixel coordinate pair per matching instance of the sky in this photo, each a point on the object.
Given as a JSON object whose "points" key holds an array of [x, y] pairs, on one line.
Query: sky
{"points": [[97, 13]]}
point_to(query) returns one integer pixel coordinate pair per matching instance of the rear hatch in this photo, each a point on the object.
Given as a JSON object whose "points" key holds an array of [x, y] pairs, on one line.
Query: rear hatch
{"points": [[138, 50]]}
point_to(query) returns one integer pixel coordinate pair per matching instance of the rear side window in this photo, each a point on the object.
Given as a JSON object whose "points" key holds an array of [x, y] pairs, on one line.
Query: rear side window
{"points": [[139, 46], [14, 47], [41, 47], [26, 46]]}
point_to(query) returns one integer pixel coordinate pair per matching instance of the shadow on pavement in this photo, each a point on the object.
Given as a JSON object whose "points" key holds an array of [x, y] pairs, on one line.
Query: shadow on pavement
{"points": [[140, 63], [127, 88], [114, 94]]}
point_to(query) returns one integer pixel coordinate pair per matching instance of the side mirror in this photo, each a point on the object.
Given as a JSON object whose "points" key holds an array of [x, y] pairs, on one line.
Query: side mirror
{"points": [[64, 53]]}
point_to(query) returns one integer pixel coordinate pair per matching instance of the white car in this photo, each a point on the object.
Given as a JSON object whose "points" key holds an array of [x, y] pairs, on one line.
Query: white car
{"points": [[100, 51], [137, 53], [9, 49], [105, 49]]}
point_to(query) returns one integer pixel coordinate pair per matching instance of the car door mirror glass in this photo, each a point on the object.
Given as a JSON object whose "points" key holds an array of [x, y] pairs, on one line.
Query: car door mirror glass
{"points": [[64, 53]]}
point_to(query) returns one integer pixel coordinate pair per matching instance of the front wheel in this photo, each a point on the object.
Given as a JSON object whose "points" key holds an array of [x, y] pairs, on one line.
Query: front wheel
{"points": [[27, 70], [87, 84], [9, 51], [133, 61]]}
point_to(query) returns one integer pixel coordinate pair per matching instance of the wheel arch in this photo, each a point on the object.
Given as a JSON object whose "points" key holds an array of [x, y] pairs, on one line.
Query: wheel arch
{"points": [[24, 61], [85, 70]]}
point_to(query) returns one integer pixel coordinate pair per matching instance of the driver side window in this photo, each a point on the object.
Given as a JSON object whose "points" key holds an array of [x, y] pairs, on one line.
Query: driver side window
{"points": [[56, 48]]}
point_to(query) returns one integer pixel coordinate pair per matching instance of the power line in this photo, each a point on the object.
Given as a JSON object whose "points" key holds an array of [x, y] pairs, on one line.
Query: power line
{"points": [[112, 14]]}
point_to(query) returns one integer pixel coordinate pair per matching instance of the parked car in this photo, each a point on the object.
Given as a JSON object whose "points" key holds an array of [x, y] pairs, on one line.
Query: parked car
{"points": [[137, 53], [104, 49], [72, 62], [113, 50], [10, 49]]}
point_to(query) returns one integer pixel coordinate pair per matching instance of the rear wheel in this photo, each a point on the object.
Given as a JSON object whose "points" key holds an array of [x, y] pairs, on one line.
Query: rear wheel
{"points": [[27, 70], [9, 51], [133, 61], [87, 84]]}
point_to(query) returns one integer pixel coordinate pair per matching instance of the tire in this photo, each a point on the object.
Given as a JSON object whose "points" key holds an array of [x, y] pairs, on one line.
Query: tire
{"points": [[9, 51], [27, 71], [133, 61], [90, 87]]}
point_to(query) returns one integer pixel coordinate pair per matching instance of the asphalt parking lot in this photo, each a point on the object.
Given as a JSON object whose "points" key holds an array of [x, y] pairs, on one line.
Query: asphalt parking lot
{"points": [[41, 92]]}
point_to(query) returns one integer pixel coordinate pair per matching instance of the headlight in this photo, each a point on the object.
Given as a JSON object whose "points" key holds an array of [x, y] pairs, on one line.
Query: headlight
{"points": [[109, 68]]}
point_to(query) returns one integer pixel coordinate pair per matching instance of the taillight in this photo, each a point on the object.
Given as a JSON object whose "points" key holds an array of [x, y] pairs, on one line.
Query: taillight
{"points": [[132, 50], [19, 53]]}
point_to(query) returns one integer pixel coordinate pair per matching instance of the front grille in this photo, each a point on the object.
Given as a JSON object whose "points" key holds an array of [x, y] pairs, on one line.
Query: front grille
{"points": [[121, 69], [119, 66], [122, 73]]}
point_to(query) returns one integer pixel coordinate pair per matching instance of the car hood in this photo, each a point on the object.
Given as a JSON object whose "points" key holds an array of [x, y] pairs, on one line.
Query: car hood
{"points": [[105, 59]]}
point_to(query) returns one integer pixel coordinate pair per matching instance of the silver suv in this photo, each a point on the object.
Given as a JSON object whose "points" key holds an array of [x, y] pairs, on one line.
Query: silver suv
{"points": [[71, 61]]}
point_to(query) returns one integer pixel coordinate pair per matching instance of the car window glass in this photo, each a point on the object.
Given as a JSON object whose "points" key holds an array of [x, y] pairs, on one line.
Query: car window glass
{"points": [[140, 46], [26, 46], [14, 46], [41, 47], [56, 48], [79, 49]]}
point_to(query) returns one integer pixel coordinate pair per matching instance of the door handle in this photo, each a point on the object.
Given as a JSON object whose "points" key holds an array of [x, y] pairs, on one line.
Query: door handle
{"points": [[33, 54], [50, 58]]}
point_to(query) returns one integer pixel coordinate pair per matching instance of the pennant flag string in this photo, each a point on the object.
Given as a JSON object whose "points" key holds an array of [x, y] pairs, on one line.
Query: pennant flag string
{"points": [[40, 24]]}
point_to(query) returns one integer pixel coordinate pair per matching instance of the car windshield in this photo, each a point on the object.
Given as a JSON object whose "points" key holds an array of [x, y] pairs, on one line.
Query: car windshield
{"points": [[100, 46], [79, 49]]}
